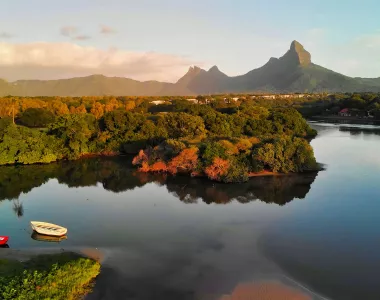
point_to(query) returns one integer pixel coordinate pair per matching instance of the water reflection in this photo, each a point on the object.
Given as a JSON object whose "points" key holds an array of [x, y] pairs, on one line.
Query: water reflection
{"points": [[18, 208], [46, 238], [360, 130], [116, 175]]}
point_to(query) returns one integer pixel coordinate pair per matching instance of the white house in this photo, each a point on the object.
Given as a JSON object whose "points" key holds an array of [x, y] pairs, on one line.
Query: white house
{"points": [[158, 102]]}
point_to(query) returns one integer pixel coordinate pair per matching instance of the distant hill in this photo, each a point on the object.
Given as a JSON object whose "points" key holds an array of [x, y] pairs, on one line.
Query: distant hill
{"points": [[293, 72]]}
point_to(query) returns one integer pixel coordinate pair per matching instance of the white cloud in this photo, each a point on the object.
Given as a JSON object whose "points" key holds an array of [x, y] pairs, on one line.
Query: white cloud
{"points": [[69, 31], [106, 30], [5, 35], [81, 38], [64, 60]]}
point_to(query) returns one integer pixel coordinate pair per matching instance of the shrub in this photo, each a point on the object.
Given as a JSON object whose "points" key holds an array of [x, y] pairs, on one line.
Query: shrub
{"points": [[217, 169], [186, 161]]}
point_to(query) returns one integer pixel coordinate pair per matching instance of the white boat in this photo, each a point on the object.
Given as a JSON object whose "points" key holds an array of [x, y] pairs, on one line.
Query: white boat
{"points": [[48, 228]]}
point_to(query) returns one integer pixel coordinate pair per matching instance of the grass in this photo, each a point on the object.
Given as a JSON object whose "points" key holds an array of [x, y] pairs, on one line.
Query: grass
{"points": [[60, 276]]}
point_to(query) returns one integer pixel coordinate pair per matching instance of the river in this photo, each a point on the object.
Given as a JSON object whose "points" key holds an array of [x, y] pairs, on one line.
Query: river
{"points": [[169, 237]]}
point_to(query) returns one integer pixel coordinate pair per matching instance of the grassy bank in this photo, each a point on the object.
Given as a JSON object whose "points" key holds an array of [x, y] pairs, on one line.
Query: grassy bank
{"points": [[58, 276]]}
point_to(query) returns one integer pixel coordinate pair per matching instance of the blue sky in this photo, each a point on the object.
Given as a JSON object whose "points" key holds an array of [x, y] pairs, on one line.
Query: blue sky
{"points": [[163, 38]]}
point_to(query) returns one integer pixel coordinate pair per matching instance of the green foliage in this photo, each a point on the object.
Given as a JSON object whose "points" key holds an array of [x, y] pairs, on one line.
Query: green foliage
{"points": [[120, 122], [221, 130], [211, 150], [63, 276], [290, 122], [149, 130], [36, 117], [174, 147], [77, 132], [28, 146], [254, 111], [238, 170], [285, 154], [182, 125], [4, 123]]}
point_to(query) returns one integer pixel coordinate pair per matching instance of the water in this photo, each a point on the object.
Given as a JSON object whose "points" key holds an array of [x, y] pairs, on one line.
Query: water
{"points": [[184, 238]]}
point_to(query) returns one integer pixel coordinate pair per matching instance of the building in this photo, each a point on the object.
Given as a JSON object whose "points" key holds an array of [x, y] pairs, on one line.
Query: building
{"points": [[344, 113], [269, 96], [157, 102], [193, 100]]}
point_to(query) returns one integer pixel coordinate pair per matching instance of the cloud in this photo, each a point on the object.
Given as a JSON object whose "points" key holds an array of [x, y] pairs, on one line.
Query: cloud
{"points": [[69, 31], [64, 60], [81, 38], [106, 30], [5, 35]]}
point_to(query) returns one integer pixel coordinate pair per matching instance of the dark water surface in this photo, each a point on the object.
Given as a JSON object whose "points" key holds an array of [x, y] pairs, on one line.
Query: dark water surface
{"points": [[185, 238]]}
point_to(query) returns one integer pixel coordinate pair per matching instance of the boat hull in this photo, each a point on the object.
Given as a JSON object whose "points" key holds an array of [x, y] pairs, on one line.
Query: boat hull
{"points": [[48, 229], [47, 238]]}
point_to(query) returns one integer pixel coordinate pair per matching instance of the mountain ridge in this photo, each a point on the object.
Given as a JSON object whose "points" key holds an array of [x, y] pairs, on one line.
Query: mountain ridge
{"points": [[292, 72]]}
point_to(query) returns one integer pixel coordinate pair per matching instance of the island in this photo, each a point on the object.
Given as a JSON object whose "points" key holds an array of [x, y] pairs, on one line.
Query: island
{"points": [[227, 142]]}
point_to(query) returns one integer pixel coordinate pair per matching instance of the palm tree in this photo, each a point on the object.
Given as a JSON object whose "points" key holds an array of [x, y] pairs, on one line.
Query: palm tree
{"points": [[18, 208]]}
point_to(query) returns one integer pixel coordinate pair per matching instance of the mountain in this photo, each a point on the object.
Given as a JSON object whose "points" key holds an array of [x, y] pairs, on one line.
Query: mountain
{"points": [[293, 72]]}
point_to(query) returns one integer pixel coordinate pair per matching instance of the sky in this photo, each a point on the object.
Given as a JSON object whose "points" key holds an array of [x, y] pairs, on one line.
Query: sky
{"points": [[160, 40]]}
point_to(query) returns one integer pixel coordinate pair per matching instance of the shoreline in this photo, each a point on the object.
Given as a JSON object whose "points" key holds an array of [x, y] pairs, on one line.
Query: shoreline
{"points": [[264, 173], [344, 120], [23, 255]]}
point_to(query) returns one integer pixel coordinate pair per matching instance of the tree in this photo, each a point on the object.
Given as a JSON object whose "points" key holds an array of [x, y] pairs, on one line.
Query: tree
{"points": [[18, 208], [129, 105], [186, 161], [36, 117], [201, 99], [217, 169], [284, 154], [182, 125], [28, 146], [211, 150], [58, 108], [81, 109], [78, 133], [111, 105], [97, 110]]}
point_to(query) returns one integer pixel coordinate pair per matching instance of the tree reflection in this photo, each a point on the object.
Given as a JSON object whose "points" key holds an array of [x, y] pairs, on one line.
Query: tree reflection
{"points": [[117, 175], [18, 208], [278, 189], [355, 131]]}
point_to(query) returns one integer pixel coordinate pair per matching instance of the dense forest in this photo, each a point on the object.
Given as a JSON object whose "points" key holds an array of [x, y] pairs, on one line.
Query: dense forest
{"points": [[226, 140]]}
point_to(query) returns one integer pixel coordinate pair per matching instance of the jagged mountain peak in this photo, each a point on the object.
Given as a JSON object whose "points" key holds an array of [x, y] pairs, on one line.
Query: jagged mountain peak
{"points": [[214, 69], [194, 69], [193, 72], [298, 54]]}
